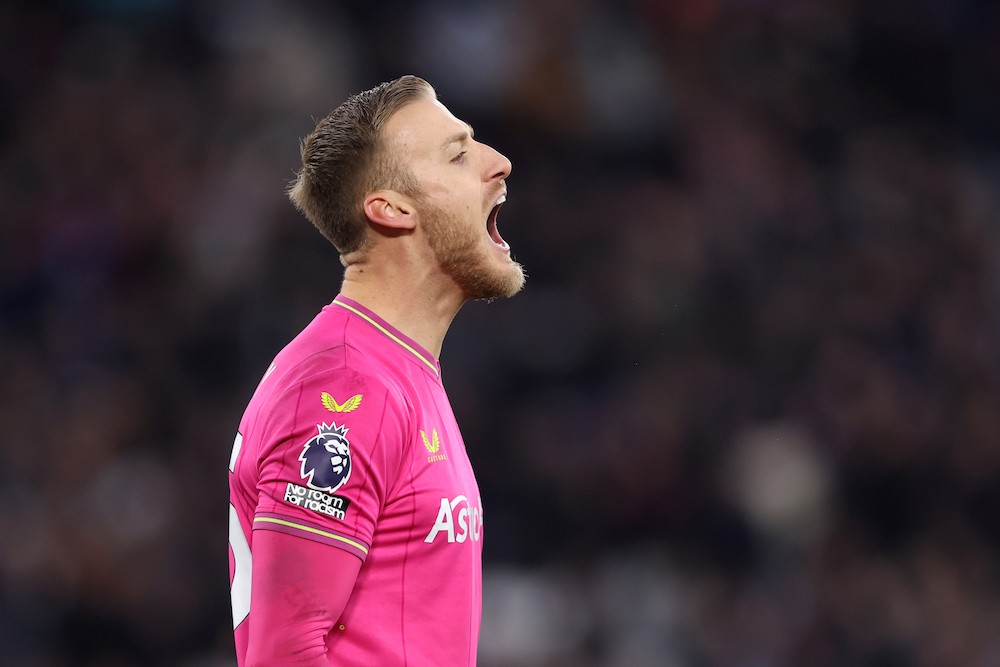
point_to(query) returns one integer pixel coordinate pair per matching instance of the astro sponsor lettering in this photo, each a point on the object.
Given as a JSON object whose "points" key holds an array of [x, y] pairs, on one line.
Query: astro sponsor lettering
{"points": [[317, 501], [459, 520]]}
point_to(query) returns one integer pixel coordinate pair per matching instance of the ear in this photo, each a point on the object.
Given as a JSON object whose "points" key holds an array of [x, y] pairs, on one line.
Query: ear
{"points": [[391, 209]]}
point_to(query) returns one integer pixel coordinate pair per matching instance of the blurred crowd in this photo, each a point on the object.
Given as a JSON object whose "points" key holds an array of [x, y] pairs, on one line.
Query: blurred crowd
{"points": [[745, 414]]}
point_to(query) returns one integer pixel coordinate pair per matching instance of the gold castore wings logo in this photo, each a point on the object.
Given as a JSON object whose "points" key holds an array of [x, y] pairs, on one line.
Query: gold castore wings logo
{"points": [[350, 405], [433, 444]]}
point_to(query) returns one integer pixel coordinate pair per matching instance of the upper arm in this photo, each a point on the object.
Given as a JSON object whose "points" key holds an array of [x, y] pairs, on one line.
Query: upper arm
{"points": [[299, 591], [328, 458], [327, 455]]}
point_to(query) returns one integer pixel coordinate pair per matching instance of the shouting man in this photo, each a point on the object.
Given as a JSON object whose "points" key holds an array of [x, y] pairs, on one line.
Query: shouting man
{"points": [[355, 520]]}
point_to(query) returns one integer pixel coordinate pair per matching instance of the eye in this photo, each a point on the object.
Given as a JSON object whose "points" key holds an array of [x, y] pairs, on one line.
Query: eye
{"points": [[458, 159]]}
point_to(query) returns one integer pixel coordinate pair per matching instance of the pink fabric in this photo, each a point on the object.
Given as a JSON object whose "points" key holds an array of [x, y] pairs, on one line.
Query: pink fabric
{"points": [[300, 589], [350, 442]]}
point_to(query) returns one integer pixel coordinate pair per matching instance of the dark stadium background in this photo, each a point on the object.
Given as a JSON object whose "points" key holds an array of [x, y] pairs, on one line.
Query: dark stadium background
{"points": [[746, 413]]}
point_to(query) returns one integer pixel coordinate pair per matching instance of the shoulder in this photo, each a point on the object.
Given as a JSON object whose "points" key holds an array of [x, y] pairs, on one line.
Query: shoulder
{"points": [[328, 372], [335, 382], [331, 351]]}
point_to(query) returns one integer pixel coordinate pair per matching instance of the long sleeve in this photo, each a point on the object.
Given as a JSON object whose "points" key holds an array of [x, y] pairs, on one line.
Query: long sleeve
{"points": [[299, 590]]}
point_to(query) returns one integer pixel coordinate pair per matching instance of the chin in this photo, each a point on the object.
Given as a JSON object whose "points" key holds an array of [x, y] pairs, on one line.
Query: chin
{"points": [[477, 268], [489, 285]]}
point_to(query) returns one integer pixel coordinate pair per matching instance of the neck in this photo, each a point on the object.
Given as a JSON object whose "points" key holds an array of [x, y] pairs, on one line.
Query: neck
{"points": [[420, 303]]}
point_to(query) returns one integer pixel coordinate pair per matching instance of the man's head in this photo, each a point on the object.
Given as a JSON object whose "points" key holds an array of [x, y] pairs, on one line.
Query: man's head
{"points": [[394, 163], [347, 156]]}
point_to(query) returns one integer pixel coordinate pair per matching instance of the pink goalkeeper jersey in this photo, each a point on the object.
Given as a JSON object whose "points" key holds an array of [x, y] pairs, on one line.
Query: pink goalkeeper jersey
{"points": [[350, 441]]}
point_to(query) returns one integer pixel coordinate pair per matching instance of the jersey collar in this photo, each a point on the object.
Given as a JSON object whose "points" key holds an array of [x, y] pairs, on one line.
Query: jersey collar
{"points": [[392, 333]]}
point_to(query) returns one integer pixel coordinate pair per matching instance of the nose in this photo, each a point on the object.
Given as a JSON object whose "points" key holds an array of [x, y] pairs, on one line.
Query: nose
{"points": [[497, 165]]}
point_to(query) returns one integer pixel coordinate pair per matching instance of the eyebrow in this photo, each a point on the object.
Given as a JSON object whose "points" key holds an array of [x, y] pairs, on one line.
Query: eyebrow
{"points": [[459, 137]]}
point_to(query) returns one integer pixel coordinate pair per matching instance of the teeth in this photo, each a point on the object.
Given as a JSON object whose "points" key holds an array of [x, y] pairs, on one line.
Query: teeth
{"points": [[502, 199]]}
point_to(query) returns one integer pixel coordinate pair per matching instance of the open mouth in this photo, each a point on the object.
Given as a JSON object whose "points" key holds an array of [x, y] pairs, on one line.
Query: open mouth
{"points": [[491, 224]]}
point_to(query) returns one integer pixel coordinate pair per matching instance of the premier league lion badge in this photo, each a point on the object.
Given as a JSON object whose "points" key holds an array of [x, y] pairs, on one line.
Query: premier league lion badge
{"points": [[326, 458]]}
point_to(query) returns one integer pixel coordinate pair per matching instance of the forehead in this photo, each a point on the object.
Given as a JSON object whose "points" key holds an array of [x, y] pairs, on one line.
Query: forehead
{"points": [[423, 126]]}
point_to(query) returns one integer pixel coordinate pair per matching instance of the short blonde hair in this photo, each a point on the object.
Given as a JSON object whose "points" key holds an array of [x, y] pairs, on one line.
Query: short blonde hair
{"points": [[345, 157]]}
